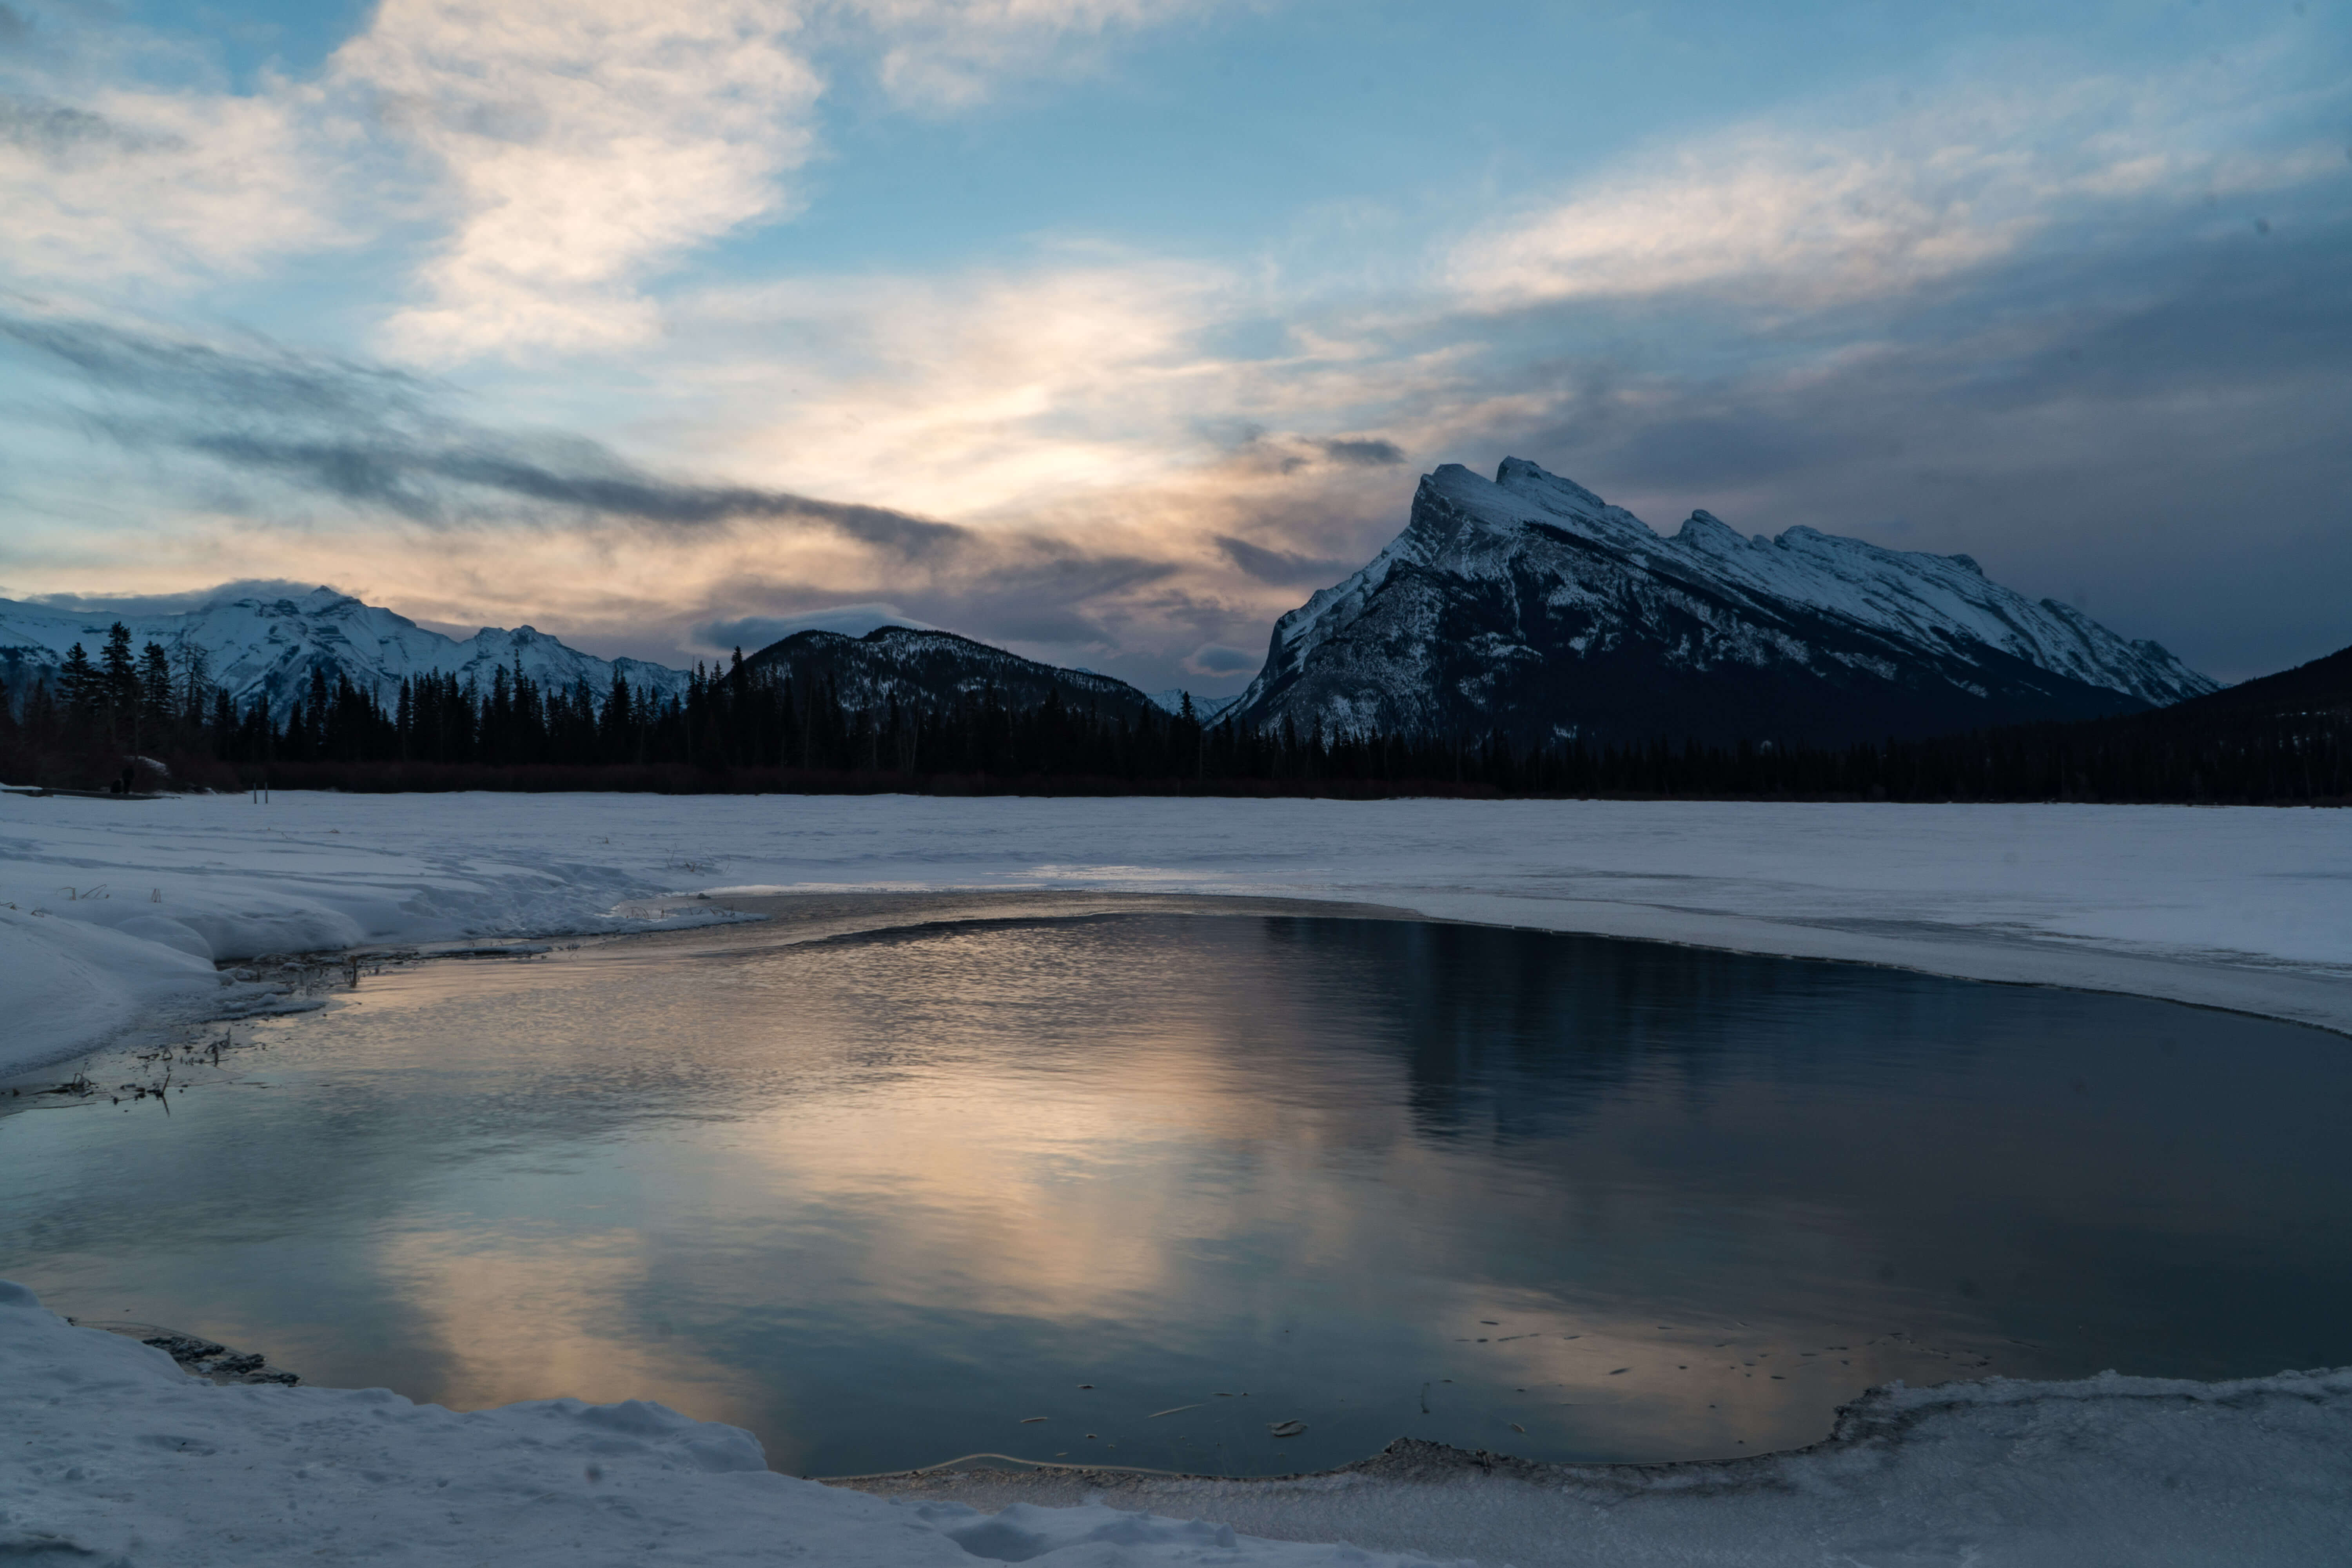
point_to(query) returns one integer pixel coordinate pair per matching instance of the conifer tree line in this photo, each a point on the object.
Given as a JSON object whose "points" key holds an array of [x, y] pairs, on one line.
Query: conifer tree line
{"points": [[753, 727]]}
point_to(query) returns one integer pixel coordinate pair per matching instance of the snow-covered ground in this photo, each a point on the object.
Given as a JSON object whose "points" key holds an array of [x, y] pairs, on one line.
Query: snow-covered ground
{"points": [[112, 910], [113, 1456]]}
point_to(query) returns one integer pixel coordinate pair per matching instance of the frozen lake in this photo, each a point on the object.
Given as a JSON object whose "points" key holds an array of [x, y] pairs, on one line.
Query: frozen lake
{"points": [[1165, 1180]]}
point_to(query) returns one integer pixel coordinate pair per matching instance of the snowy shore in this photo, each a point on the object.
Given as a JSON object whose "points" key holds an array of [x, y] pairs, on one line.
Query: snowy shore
{"points": [[116, 913], [111, 911], [117, 1456]]}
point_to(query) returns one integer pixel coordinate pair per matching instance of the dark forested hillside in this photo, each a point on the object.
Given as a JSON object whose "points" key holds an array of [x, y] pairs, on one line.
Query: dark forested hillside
{"points": [[787, 724], [935, 669]]}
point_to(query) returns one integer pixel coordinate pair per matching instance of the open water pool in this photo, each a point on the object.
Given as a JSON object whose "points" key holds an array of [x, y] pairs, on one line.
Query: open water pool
{"points": [[1139, 1188]]}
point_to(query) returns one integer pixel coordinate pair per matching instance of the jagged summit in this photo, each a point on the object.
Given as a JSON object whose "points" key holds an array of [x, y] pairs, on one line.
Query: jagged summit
{"points": [[1530, 604]]}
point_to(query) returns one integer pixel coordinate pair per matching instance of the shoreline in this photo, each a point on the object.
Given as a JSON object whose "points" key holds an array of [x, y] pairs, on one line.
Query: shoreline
{"points": [[2151, 1471], [111, 919]]}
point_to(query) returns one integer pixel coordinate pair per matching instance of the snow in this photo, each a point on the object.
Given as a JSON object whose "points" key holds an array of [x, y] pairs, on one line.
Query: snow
{"points": [[112, 1454], [257, 646], [115, 1455], [115, 910], [2110, 1469], [1172, 700], [1467, 526]]}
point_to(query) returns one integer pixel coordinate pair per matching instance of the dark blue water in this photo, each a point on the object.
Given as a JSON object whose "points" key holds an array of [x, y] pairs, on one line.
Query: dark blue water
{"points": [[883, 1199]]}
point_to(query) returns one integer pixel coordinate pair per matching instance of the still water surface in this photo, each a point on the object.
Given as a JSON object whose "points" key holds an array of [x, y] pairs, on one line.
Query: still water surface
{"points": [[882, 1199]]}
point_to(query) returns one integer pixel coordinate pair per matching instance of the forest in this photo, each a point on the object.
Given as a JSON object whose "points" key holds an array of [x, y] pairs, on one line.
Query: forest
{"points": [[137, 722]]}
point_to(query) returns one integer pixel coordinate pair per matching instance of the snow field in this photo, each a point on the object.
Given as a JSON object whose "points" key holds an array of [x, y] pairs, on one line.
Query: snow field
{"points": [[111, 911]]}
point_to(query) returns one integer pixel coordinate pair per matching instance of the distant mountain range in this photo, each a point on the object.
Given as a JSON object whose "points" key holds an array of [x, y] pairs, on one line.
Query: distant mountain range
{"points": [[1530, 605], [1526, 604], [260, 646]]}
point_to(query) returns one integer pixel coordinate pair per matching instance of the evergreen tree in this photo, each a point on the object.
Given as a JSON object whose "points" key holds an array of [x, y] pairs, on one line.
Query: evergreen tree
{"points": [[159, 706], [78, 683], [118, 672]]}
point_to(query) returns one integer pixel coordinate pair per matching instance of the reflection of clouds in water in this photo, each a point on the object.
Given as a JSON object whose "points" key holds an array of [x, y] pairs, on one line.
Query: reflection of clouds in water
{"points": [[896, 1191], [546, 1318]]}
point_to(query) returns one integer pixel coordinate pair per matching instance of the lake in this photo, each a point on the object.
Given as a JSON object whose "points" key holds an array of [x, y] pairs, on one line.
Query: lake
{"points": [[1137, 1187]]}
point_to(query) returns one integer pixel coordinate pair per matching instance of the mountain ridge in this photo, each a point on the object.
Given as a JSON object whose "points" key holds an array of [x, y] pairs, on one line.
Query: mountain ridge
{"points": [[1529, 604], [929, 666], [261, 645]]}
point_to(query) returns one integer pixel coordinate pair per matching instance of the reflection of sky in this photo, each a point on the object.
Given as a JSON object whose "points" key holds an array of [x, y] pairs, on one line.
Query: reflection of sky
{"points": [[1163, 302], [881, 1199]]}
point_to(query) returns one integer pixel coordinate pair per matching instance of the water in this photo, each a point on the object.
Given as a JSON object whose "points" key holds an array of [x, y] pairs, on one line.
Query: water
{"points": [[882, 1198]]}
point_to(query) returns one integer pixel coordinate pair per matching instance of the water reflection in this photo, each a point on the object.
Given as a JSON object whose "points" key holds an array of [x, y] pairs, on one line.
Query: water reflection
{"points": [[883, 1199]]}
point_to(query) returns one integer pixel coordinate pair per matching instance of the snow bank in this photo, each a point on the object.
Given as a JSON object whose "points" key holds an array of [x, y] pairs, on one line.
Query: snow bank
{"points": [[110, 908], [2109, 1471], [115, 1455]]}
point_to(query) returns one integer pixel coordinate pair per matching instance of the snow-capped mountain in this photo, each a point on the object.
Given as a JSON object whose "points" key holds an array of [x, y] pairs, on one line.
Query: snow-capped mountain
{"points": [[930, 668], [1531, 604], [1172, 702], [257, 645]]}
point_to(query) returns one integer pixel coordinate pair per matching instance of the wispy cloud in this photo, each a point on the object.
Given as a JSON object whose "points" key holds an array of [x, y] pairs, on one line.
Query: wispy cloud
{"points": [[1872, 200], [585, 144], [542, 160], [939, 55]]}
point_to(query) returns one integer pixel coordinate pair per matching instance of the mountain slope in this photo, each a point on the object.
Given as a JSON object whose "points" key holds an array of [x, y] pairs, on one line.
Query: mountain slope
{"points": [[932, 668], [257, 645], [1532, 606]]}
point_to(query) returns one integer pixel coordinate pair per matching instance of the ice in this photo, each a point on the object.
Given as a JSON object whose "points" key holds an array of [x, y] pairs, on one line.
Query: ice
{"points": [[109, 910], [113, 1456], [2107, 1470]]}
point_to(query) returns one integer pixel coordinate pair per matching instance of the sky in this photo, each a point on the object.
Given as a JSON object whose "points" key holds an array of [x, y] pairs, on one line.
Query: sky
{"points": [[1108, 329]]}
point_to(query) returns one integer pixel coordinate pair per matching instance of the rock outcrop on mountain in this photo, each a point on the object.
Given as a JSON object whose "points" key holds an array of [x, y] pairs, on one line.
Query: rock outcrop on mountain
{"points": [[256, 646], [1530, 605], [934, 668]]}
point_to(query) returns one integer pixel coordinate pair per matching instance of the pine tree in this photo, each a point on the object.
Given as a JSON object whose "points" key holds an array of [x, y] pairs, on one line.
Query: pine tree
{"points": [[78, 683], [120, 673], [192, 673], [158, 703]]}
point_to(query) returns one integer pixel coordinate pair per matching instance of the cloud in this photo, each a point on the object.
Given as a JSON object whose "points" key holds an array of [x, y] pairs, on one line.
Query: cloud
{"points": [[387, 444], [139, 187], [1363, 453], [172, 603], [587, 143], [1280, 566], [377, 439], [1217, 662], [1864, 200], [58, 130], [943, 55], [566, 153]]}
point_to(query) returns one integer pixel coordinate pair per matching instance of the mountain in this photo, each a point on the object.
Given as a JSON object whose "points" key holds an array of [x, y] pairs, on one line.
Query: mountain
{"points": [[931, 669], [257, 645], [2323, 687], [1532, 606], [1207, 708]]}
